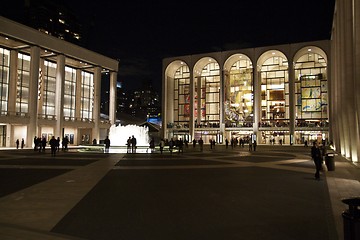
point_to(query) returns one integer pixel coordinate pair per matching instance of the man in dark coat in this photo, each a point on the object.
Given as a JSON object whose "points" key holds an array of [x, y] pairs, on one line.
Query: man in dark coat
{"points": [[317, 157]]}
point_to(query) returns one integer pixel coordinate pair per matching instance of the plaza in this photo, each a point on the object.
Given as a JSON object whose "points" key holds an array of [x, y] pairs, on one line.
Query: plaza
{"points": [[214, 194]]}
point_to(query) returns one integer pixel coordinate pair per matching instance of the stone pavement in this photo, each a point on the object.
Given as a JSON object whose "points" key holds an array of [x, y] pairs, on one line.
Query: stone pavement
{"points": [[218, 193]]}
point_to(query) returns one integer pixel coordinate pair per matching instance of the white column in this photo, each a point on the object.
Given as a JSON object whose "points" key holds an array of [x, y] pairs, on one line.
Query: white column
{"points": [[292, 101], [356, 45], [257, 102], [192, 117], [96, 110], [12, 82], [59, 95], [33, 94], [113, 98], [78, 95]]}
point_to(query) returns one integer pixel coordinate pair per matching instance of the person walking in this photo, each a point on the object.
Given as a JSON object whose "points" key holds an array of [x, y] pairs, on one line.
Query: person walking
{"points": [[254, 145], [133, 144], [53, 146], [162, 144], [22, 143], [107, 144], [152, 145], [201, 144], [317, 158], [17, 143], [226, 143]]}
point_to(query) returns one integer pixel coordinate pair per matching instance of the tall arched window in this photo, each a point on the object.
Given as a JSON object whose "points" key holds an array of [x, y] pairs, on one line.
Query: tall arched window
{"points": [[275, 91], [239, 95], [207, 95], [182, 96], [311, 90]]}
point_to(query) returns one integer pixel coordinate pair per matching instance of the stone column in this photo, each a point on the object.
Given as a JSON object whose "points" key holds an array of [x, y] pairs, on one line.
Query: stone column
{"points": [[292, 101], [96, 110], [257, 102], [78, 95], [33, 94], [356, 46], [12, 83], [113, 98], [59, 95]]}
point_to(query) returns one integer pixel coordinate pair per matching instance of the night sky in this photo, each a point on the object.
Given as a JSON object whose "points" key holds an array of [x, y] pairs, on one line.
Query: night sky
{"points": [[141, 33]]}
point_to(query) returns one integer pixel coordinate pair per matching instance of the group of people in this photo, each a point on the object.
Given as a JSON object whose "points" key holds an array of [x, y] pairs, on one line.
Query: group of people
{"points": [[131, 144], [18, 143], [40, 144]]}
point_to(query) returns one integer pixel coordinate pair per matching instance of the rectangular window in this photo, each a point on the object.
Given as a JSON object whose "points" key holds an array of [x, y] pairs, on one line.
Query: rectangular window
{"points": [[49, 85], [22, 84], [4, 79], [87, 95], [69, 93]]}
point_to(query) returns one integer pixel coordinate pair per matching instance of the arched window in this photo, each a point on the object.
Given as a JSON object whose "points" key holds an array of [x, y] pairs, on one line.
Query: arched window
{"points": [[182, 96], [239, 94], [207, 95], [311, 90], [275, 91]]}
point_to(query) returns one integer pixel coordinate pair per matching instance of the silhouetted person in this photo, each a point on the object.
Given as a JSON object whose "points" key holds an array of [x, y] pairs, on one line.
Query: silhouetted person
{"points": [[133, 144], [53, 145], [317, 158], [22, 143], [107, 144], [254, 145], [17, 143]]}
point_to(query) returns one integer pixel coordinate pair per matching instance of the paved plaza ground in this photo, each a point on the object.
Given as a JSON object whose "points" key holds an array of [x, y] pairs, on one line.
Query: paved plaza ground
{"points": [[215, 194]]}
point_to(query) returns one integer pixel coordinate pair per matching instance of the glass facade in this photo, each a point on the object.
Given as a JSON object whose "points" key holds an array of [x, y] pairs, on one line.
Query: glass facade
{"points": [[4, 80], [274, 92], [22, 84], [207, 96], [49, 86], [87, 96], [311, 89], [228, 99], [238, 104], [182, 97], [69, 93]]}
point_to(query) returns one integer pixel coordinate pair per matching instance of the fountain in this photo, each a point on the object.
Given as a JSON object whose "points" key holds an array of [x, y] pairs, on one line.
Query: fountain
{"points": [[119, 135]]}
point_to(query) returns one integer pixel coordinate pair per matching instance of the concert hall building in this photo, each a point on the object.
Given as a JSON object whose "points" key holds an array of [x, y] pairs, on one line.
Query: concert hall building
{"points": [[282, 94], [50, 87]]}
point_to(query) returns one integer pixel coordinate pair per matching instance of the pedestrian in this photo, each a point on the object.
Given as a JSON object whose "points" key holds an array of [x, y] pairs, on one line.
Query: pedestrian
{"points": [[35, 143], [201, 144], [194, 143], [161, 145], [53, 146], [254, 145], [171, 145], [43, 144], [317, 158], [107, 144], [94, 141], [22, 143], [128, 145], [65, 143], [226, 143], [58, 144], [250, 145], [133, 144], [17, 143], [181, 146], [152, 145]]}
